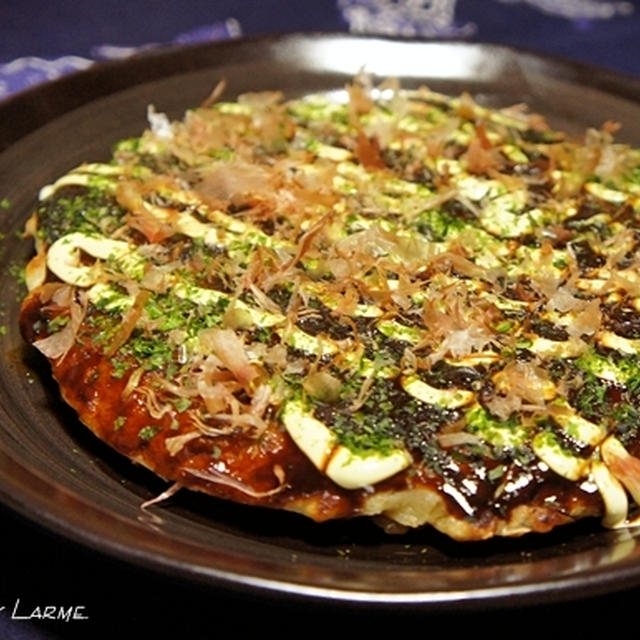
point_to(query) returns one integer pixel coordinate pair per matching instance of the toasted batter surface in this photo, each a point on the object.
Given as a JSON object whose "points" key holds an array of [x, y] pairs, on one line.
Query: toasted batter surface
{"points": [[401, 305]]}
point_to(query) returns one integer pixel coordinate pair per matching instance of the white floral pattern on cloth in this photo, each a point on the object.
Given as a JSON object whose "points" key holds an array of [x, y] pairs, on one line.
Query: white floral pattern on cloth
{"points": [[578, 9], [404, 17], [26, 72], [437, 17]]}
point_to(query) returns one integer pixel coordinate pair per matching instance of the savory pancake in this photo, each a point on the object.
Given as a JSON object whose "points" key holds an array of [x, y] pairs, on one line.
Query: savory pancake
{"points": [[395, 304]]}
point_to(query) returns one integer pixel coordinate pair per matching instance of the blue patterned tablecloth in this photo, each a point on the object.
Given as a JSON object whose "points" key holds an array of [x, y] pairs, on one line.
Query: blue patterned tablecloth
{"points": [[41, 41]]}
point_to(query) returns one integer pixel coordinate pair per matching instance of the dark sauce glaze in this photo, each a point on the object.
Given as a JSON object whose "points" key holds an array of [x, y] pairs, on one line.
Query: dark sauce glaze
{"points": [[244, 469]]}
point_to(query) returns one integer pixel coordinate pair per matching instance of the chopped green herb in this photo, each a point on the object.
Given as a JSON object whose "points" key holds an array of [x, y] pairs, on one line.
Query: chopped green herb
{"points": [[181, 404], [148, 432]]}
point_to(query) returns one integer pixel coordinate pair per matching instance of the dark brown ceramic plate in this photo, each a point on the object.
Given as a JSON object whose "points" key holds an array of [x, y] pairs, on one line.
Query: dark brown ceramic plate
{"points": [[54, 472]]}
